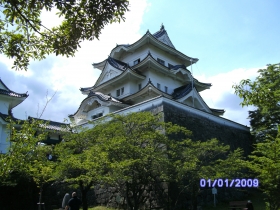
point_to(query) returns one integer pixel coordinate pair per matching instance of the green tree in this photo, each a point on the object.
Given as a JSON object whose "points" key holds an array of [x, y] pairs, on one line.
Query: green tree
{"points": [[264, 94], [24, 141], [205, 160], [26, 155], [81, 162], [23, 36], [265, 162], [139, 147]]}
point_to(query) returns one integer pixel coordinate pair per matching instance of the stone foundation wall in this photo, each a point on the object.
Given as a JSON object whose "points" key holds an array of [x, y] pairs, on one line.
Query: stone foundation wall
{"points": [[204, 129]]}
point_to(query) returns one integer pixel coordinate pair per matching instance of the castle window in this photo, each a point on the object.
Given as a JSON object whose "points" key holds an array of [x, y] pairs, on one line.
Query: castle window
{"points": [[161, 61], [166, 89], [120, 91], [158, 86], [136, 61], [139, 86]]}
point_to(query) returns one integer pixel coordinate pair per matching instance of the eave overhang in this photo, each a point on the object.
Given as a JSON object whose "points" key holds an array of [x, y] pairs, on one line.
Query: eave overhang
{"points": [[148, 38], [149, 89], [183, 75], [128, 73], [88, 101]]}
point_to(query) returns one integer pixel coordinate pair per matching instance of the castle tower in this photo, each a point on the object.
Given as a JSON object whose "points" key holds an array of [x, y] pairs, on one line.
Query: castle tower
{"points": [[139, 73]]}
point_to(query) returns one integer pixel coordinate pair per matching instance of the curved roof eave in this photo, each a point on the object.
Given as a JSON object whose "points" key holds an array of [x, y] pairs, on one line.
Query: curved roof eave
{"points": [[92, 96], [11, 93], [197, 93], [87, 89], [149, 83], [148, 35], [100, 65], [167, 70], [128, 70]]}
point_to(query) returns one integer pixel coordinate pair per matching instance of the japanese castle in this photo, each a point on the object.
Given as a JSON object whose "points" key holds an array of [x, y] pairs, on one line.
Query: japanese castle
{"points": [[148, 75], [144, 76]]}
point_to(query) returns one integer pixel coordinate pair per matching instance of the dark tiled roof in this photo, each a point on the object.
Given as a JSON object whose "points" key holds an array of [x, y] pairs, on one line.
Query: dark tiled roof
{"points": [[217, 110], [178, 67], [9, 92], [85, 89], [182, 91], [52, 125], [117, 64], [113, 62], [99, 95], [4, 116], [103, 97], [160, 33]]}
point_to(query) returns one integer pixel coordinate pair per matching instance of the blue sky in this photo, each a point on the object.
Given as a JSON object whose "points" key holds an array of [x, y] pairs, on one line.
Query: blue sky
{"points": [[232, 40]]}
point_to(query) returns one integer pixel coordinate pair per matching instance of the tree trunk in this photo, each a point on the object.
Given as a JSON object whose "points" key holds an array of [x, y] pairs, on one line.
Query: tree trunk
{"points": [[194, 197], [84, 191], [84, 199], [40, 198]]}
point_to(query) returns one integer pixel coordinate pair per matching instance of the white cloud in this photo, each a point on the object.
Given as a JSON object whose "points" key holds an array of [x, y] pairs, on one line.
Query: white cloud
{"points": [[67, 75], [221, 94]]}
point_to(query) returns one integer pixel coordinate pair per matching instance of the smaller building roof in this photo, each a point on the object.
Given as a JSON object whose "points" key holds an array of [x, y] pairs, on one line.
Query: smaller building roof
{"points": [[8, 92], [5, 116], [52, 125]]}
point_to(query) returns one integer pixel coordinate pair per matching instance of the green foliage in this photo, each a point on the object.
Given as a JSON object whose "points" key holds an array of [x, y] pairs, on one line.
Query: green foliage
{"points": [[27, 155], [23, 37], [24, 146], [206, 160], [138, 149], [265, 163], [81, 162], [263, 93]]}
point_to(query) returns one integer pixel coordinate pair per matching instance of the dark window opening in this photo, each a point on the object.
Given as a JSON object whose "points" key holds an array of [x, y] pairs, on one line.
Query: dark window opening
{"points": [[158, 85], [118, 92]]}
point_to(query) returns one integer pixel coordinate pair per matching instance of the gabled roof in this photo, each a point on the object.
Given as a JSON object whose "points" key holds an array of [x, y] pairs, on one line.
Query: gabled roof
{"points": [[148, 87], [52, 125], [128, 70], [162, 36], [172, 71], [4, 90], [100, 96], [156, 39], [113, 62]]}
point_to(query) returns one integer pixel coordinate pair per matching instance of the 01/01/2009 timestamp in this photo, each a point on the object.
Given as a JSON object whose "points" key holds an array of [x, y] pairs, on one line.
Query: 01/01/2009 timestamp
{"points": [[229, 183]]}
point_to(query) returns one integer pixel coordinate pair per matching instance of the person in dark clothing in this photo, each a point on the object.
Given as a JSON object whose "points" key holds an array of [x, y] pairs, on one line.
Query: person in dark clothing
{"points": [[249, 205], [74, 203]]}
